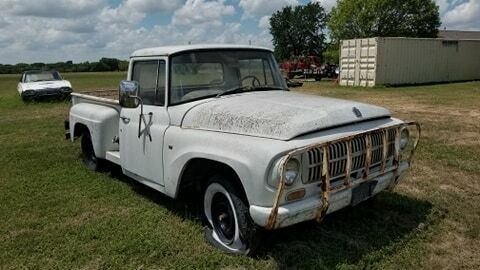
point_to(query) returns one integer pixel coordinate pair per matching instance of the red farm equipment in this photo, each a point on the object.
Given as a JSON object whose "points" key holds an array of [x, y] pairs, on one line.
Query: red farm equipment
{"points": [[308, 67]]}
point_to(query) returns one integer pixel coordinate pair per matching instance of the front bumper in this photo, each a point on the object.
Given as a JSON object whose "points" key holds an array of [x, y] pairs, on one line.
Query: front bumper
{"points": [[307, 209], [48, 92], [333, 197]]}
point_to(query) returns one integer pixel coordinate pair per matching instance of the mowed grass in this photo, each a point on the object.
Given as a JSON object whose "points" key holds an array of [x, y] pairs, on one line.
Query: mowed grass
{"points": [[55, 214]]}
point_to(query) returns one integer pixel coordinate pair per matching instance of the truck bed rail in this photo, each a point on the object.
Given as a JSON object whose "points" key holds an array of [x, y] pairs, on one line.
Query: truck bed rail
{"points": [[102, 96]]}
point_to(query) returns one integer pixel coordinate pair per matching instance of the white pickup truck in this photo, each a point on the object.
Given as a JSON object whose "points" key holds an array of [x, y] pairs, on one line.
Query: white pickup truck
{"points": [[220, 118]]}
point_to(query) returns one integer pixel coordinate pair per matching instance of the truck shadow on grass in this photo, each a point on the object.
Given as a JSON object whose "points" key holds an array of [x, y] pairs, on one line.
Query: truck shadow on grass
{"points": [[377, 227], [364, 233]]}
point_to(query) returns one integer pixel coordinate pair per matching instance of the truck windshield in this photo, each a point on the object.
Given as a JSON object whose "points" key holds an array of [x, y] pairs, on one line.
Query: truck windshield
{"points": [[201, 74]]}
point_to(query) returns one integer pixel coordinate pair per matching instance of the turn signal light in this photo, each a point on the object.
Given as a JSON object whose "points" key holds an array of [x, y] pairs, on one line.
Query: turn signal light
{"points": [[296, 195]]}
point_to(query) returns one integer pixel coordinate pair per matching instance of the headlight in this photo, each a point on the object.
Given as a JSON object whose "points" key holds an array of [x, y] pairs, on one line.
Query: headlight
{"points": [[292, 170], [29, 92], [404, 138]]}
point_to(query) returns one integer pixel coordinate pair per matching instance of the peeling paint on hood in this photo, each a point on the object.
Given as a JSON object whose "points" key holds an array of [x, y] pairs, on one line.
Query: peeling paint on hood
{"points": [[278, 115]]}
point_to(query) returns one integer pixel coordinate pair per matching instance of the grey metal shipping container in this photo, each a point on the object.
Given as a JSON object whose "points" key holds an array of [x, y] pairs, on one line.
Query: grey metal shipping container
{"points": [[397, 61]]}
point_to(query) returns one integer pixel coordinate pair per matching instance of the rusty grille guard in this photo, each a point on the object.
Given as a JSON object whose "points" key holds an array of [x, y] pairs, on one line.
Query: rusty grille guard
{"points": [[325, 185]]}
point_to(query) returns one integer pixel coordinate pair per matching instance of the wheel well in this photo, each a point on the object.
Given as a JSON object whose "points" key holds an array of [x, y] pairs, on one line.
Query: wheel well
{"points": [[79, 129], [198, 171]]}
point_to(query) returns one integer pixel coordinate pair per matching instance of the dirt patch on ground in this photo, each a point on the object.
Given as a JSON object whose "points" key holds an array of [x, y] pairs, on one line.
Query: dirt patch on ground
{"points": [[446, 124], [431, 175], [449, 250]]}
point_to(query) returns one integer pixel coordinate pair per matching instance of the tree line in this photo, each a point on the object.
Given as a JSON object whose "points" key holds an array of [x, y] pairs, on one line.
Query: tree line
{"points": [[104, 64], [309, 30]]}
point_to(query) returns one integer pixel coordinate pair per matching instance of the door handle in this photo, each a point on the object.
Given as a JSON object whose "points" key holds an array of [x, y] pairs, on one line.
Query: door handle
{"points": [[126, 120]]}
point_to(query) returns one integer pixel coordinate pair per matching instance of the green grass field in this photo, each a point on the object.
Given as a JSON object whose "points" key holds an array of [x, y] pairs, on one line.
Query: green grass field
{"points": [[55, 214]]}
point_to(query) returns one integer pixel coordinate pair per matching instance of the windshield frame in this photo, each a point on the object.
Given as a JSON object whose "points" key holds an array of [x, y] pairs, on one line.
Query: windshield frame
{"points": [[55, 75], [275, 71]]}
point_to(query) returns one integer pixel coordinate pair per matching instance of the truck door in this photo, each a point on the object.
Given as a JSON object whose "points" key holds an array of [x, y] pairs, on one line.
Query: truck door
{"points": [[141, 135]]}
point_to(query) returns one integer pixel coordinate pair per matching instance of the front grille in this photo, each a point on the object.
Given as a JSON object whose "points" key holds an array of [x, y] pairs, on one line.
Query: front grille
{"points": [[338, 157], [52, 91]]}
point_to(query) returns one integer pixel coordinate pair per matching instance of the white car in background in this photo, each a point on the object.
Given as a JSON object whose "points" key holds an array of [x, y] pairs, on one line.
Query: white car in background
{"points": [[35, 84]]}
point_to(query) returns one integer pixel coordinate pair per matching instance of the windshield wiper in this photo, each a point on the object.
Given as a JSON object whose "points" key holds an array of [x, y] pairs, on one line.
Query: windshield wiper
{"points": [[265, 88], [242, 89], [233, 91]]}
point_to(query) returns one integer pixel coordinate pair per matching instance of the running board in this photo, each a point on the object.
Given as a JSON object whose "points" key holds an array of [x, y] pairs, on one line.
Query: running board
{"points": [[113, 156]]}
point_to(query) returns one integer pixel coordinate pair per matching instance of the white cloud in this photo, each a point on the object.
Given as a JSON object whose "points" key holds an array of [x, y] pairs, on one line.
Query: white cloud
{"points": [[5, 40], [3, 22], [264, 22], [327, 4], [443, 6], [51, 8], [260, 8], [120, 15], [196, 12], [80, 26], [465, 16], [152, 5]]}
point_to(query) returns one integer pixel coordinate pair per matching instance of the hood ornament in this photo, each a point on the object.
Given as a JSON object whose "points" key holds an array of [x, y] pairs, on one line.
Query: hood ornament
{"points": [[357, 112]]}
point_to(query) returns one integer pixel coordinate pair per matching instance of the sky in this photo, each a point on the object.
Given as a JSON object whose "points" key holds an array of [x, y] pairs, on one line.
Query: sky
{"points": [[85, 30]]}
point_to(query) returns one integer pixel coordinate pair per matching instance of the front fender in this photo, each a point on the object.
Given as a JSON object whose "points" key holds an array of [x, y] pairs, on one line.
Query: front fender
{"points": [[250, 157]]}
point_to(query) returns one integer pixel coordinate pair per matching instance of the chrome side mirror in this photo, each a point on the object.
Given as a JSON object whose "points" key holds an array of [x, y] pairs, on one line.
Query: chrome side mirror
{"points": [[128, 94]]}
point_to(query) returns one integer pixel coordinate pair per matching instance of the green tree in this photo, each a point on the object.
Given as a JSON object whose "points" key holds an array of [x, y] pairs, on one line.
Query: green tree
{"points": [[99, 67], [381, 18], [112, 63], [105, 64], [384, 18], [123, 65], [298, 31], [331, 53]]}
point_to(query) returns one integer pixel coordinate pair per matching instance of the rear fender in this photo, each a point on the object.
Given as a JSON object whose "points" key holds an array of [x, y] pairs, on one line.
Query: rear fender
{"points": [[102, 123]]}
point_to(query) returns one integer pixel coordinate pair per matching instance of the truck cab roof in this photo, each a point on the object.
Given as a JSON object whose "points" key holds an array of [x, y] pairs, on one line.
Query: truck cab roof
{"points": [[169, 50]]}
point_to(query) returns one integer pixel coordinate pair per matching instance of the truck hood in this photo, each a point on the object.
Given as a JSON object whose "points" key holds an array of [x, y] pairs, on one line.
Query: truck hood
{"points": [[45, 85], [278, 115]]}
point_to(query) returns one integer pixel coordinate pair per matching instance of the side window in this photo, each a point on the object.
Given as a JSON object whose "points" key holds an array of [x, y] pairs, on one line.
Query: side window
{"points": [[150, 76]]}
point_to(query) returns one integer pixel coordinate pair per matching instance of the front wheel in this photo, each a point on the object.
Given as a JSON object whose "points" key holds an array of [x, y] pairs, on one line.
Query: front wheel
{"points": [[88, 154], [229, 225]]}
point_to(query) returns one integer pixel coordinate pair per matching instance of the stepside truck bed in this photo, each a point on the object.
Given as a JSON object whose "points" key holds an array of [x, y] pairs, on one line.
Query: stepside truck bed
{"points": [[102, 97], [96, 113]]}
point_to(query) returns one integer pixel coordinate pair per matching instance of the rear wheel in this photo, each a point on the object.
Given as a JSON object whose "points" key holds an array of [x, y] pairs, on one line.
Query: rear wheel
{"points": [[229, 225], [88, 154]]}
